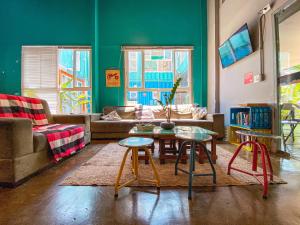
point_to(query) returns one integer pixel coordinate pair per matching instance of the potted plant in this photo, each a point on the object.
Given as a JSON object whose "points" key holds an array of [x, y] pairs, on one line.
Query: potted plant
{"points": [[168, 125]]}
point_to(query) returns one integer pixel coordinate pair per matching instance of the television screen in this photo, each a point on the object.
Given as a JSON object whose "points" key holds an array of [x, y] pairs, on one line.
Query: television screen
{"points": [[236, 47], [241, 43], [226, 54]]}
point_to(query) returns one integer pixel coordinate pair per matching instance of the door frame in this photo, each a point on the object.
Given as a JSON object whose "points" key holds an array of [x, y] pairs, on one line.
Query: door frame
{"points": [[282, 13]]}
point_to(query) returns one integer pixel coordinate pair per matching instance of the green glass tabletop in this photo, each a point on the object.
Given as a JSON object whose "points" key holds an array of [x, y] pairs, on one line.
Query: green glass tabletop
{"points": [[158, 131], [257, 134], [136, 142], [198, 137]]}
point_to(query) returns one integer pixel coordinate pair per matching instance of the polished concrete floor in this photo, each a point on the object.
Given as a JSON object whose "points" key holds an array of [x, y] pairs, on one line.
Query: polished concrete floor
{"points": [[292, 146], [41, 201]]}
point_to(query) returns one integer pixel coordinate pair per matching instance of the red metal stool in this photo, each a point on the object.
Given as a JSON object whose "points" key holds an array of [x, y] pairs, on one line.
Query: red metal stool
{"points": [[257, 148]]}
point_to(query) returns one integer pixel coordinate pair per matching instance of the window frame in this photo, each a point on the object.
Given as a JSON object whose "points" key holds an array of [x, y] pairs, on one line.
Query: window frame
{"points": [[142, 49], [58, 89]]}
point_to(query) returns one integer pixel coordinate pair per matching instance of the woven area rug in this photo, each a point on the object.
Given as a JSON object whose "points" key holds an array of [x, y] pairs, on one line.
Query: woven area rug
{"points": [[102, 169]]}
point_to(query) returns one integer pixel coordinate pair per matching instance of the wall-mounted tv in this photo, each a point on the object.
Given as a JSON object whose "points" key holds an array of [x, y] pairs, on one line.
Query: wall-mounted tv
{"points": [[238, 46]]}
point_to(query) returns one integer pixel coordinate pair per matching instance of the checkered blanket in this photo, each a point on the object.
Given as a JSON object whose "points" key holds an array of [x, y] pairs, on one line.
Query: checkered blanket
{"points": [[23, 107], [64, 140]]}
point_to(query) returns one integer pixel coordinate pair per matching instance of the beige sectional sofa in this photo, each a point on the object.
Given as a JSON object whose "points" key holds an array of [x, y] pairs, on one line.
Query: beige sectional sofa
{"points": [[102, 129], [23, 152]]}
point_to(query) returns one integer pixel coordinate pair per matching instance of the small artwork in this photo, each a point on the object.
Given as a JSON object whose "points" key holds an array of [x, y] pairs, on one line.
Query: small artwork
{"points": [[248, 79], [112, 78]]}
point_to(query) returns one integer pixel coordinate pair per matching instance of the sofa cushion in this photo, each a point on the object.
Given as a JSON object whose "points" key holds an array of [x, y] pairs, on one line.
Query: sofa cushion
{"points": [[199, 113], [158, 112], [144, 113], [112, 116], [125, 112]]}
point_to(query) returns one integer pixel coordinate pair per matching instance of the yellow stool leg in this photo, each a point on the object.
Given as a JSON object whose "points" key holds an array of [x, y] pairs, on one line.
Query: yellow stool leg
{"points": [[136, 162], [132, 162], [120, 171], [153, 167]]}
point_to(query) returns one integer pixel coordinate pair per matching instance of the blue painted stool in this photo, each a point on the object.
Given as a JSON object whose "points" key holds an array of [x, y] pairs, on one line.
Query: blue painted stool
{"points": [[192, 139]]}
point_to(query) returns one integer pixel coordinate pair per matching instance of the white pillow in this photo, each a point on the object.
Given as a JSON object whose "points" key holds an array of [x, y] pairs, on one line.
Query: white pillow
{"points": [[199, 113], [112, 116]]}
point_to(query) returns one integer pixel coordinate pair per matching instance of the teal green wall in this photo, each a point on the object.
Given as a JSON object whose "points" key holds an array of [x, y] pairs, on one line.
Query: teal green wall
{"points": [[155, 22], [106, 25], [38, 22]]}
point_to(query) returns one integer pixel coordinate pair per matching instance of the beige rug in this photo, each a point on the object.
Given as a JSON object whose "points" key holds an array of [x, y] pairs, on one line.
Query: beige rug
{"points": [[102, 169]]}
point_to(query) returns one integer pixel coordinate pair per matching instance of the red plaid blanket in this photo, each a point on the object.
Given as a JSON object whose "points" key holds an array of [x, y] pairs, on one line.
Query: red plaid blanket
{"points": [[64, 140], [23, 107]]}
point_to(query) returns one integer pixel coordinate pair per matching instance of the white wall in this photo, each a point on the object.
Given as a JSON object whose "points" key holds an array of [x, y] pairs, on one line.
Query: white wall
{"points": [[233, 14]]}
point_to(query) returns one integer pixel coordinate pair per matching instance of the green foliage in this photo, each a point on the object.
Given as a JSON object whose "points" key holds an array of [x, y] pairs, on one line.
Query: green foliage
{"points": [[169, 99], [71, 98], [290, 94], [173, 91]]}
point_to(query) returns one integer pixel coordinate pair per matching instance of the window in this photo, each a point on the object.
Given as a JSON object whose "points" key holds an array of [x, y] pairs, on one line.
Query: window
{"points": [[151, 72], [60, 75]]}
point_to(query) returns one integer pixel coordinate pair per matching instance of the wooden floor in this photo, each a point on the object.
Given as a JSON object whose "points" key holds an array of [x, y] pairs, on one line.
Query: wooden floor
{"points": [[41, 201]]}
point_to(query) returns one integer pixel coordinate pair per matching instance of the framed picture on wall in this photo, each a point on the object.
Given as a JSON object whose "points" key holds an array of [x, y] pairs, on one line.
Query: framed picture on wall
{"points": [[112, 77]]}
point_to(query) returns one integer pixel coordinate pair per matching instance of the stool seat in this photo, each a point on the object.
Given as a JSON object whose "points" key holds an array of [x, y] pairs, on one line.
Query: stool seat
{"points": [[136, 142]]}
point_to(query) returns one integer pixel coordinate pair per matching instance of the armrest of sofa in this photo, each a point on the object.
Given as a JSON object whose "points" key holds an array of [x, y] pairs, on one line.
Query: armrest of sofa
{"points": [[218, 123], [73, 119], [15, 137]]}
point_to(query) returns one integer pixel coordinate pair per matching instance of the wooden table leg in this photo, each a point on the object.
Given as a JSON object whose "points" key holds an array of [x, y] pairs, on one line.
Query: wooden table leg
{"points": [[214, 149], [162, 151]]}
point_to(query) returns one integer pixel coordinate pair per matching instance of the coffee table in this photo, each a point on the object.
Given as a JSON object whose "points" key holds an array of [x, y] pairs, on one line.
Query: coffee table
{"points": [[168, 136]]}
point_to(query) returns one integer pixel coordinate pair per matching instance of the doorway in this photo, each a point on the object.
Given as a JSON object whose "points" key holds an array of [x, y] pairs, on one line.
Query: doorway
{"points": [[287, 22]]}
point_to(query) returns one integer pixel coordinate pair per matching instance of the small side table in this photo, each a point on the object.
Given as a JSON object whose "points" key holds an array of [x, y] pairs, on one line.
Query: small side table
{"points": [[257, 148], [193, 139], [134, 144]]}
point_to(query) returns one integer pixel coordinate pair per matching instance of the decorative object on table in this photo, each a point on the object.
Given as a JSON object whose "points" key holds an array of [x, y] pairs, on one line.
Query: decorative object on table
{"points": [[265, 157], [250, 117], [134, 144], [112, 77], [193, 139], [166, 105], [112, 116], [145, 126]]}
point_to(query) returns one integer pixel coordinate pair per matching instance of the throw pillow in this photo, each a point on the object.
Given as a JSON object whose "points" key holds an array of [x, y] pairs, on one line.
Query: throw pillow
{"points": [[199, 113], [112, 116], [144, 113]]}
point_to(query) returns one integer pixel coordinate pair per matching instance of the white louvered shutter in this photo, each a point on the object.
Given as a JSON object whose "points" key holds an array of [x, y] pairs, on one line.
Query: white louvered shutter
{"points": [[39, 74]]}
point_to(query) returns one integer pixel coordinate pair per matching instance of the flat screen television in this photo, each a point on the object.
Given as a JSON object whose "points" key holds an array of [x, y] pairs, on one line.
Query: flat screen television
{"points": [[237, 47]]}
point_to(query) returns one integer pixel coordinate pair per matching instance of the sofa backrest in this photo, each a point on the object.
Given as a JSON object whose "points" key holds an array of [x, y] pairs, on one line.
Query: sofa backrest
{"points": [[125, 112], [47, 110], [184, 111], [23, 107]]}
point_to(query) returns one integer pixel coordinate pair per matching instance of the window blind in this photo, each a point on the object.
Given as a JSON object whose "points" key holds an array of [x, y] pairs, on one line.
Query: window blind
{"points": [[39, 74]]}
